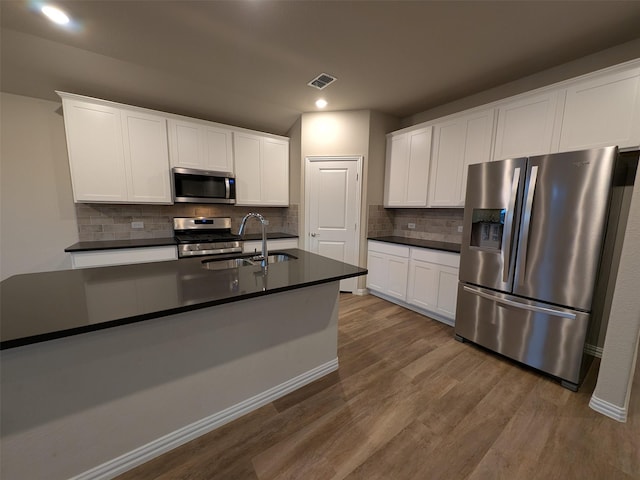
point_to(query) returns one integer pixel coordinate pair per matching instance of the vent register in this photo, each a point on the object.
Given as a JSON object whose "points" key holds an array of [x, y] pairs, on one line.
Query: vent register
{"points": [[322, 81]]}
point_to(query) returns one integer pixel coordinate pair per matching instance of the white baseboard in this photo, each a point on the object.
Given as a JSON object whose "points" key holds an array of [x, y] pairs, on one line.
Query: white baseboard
{"points": [[593, 350], [608, 409], [157, 447]]}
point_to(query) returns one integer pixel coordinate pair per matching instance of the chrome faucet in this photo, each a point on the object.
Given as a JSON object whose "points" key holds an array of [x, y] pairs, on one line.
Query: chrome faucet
{"points": [[264, 222]]}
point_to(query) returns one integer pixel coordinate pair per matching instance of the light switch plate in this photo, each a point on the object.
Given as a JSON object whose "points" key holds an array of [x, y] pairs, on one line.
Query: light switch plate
{"points": [[137, 224], [460, 229], [412, 226]]}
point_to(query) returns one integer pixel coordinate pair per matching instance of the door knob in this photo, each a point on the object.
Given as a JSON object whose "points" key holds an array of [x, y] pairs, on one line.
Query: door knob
{"points": [[315, 234]]}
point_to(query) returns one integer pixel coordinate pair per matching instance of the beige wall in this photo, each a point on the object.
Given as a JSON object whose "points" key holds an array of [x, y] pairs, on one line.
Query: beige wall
{"points": [[331, 134], [623, 333], [37, 220], [606, 58]]}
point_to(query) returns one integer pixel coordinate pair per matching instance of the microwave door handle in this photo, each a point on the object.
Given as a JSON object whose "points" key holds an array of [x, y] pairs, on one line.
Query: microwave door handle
{"points": [[507, 235], [227, 188], [526, 223]]}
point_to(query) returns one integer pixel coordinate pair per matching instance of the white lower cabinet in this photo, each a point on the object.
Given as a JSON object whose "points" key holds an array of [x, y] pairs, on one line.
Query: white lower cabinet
{"points": [[388, 266], [123, 256], [433, 281], [421, 279]]}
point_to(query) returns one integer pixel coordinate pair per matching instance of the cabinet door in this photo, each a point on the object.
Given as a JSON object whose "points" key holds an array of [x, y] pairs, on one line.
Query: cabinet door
{"points": [[275, 172], [407, 168], [146, 157], [419, 156], [217, 149], [423, 285], [478, 140], [602, 111], [446, 164], [376, 265], [247, 165], [525, 126], [397, 167], [96, 154], [447, 289], [457, 144], [397, 277], [185, 144]]}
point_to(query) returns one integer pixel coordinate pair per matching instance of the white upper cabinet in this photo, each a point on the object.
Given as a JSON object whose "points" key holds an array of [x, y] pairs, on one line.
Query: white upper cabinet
{"points": [[146, 157], [601, 111], [116, 155], [262, 170], [407, 168], [200, 145], [526, 126], [457, 143]]}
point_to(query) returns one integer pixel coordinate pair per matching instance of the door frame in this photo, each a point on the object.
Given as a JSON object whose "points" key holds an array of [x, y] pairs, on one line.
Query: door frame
{"points": [[358, 201]]}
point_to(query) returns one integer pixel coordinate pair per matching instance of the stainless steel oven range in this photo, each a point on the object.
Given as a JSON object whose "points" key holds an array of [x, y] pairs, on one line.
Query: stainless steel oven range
{"points": [[205, 236]]}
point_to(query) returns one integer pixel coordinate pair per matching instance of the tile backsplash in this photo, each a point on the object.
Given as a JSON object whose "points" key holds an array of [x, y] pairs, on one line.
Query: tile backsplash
{"points": [[440, 224], [113, 222]]}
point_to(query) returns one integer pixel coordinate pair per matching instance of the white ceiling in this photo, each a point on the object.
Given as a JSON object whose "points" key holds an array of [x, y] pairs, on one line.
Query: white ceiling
{"points": [[247, 62]]}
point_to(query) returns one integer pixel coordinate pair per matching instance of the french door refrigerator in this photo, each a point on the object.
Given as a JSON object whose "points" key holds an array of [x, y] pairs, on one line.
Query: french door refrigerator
{"points": [[532, 242]]}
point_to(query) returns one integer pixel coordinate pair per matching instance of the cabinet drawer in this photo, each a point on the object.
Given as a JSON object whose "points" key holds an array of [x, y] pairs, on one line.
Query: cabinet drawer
{"points": [[435, 256], [389, 248]]}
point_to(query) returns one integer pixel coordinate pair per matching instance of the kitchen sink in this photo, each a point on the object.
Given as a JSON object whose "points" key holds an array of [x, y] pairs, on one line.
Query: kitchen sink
{"points": [[224, 264]]}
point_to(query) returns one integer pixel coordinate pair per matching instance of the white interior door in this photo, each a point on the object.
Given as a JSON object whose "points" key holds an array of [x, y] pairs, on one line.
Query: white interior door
{"points": [[333, 208]]}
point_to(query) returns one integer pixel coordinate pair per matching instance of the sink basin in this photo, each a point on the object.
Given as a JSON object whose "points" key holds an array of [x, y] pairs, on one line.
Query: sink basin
{"points": [[224, 264], [279, 257]]}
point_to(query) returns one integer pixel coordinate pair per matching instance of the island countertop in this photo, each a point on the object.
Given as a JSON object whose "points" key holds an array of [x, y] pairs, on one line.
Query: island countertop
{"points": [[38, 307]]}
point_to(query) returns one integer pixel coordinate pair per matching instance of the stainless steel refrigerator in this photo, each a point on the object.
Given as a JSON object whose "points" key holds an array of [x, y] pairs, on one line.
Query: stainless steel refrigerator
{"points": [[531, 251]]}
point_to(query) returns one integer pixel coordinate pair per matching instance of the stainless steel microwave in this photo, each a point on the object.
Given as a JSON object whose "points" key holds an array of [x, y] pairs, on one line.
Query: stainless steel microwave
{"points": [[202, 186]]}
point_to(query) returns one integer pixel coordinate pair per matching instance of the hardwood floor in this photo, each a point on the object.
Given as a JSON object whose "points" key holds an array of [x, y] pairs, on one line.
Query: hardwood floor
{"points": [[410, 402]]}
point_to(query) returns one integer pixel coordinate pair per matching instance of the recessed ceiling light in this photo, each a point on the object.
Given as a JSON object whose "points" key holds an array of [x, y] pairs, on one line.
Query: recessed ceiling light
{"points": [[321, 103], [55, 14]]}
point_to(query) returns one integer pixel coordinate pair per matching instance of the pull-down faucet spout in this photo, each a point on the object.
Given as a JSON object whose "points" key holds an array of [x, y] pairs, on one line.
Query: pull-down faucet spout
{"points": [[264, 222]]}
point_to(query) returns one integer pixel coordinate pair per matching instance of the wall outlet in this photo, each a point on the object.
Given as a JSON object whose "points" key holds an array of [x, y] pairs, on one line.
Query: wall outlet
{"points": [[412, 226], [460, 229], [137, 224]]}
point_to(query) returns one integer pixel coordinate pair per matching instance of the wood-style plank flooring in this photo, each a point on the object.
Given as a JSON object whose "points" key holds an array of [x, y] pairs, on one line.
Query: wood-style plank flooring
{"points": [[410, 402]]}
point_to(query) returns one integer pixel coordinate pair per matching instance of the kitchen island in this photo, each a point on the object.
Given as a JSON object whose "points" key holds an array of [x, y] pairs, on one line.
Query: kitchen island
{"points": [[105, 368]]}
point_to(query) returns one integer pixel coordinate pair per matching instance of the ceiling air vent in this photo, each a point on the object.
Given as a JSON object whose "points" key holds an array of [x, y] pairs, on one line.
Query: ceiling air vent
{"points": [[322, 81]]}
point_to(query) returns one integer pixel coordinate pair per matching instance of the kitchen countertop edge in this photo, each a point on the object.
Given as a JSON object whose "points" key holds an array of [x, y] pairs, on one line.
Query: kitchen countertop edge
{"points": [[416, 242], [88, 246], [335, 273]]}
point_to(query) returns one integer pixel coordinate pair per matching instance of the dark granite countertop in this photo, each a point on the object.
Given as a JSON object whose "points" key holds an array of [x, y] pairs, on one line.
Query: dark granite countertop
{"points": [[415, 242], [153, 242], [38, 307]]}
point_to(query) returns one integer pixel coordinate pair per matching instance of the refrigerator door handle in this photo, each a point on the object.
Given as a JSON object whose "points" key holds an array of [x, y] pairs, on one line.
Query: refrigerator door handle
{"points": [[507, 236], [526, 220], [524, 306]]}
